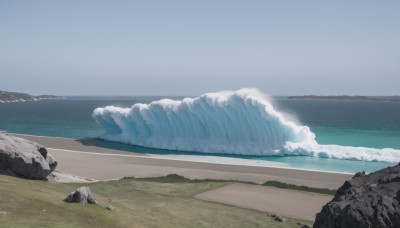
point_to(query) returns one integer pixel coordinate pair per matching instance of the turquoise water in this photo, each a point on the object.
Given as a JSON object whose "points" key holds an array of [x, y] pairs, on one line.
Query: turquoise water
{"points": [[347, 123], [287, 161]]}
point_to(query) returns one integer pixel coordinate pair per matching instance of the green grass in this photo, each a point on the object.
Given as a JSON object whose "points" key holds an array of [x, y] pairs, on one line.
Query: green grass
{"points": [[278, 184], [175, 178], [138, 202]]}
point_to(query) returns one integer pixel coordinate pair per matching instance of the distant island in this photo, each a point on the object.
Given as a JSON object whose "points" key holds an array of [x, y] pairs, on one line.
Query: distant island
{"points": [[348, 98], [7, 97]]}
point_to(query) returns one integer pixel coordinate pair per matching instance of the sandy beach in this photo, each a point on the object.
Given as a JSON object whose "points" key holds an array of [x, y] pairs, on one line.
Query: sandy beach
{"points": [[88, 158], [84, 158]]}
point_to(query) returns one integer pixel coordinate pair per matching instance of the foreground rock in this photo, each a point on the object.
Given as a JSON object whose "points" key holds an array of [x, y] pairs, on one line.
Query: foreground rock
{"points": [[279, 218], [81, 195], [24, 158], [302, 225], [365, 201]]}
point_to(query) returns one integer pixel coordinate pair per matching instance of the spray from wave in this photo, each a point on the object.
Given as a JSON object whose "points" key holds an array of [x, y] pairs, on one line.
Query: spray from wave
{"points": [[231, 122]]}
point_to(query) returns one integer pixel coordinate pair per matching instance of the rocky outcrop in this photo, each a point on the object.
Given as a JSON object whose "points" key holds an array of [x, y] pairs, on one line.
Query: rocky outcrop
{"points": [[24, 158], [81, 195], [365, 201]]}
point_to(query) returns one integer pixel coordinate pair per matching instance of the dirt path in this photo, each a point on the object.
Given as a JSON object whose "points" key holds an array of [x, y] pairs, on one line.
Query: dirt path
{"points": [[289, 203]]}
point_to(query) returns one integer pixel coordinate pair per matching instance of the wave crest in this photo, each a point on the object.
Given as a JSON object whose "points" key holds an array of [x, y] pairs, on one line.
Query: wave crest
{"points": [[231, 122]]}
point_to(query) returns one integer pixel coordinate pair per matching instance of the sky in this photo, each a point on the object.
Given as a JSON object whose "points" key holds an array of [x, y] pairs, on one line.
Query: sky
{"points": [[192, 47]]}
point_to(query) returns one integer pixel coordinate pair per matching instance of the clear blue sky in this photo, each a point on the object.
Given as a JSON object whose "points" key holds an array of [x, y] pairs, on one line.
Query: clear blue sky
{"points": [[191, 47]]}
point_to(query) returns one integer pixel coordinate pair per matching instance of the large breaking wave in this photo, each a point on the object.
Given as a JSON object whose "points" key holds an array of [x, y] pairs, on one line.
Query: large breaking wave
{"points": [[231, 122]]}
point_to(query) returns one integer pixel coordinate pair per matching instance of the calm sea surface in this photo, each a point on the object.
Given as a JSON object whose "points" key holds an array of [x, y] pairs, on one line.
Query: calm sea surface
{"points": [[347, 123]]}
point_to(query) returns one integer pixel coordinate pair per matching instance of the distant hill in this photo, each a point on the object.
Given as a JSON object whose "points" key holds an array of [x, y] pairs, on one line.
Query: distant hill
{"points": [[6, 97], [348, 98]]}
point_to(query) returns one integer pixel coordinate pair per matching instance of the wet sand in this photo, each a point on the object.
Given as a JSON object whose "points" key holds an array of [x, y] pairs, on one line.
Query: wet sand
{"points": [[84, 157]]}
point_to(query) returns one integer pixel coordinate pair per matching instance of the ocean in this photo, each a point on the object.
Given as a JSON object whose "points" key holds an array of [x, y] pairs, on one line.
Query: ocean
{"points": [[345, 123]]}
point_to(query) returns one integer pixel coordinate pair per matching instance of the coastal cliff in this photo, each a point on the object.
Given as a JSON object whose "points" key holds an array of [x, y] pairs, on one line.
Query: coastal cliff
{"points": [[7, 97]]}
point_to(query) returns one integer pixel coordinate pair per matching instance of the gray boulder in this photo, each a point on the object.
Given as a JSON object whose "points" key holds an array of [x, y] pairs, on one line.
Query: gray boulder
{"points": [[365, 201], [81, 195], [24, 158], [278, 218]]}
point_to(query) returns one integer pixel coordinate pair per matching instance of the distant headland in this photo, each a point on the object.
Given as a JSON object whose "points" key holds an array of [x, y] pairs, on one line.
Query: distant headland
{"points": [[7, 97], [348, 98]]}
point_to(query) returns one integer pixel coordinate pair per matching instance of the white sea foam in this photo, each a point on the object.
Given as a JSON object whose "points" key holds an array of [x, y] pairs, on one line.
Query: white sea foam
{"points": [[343, 152], [231, 122], [223, 160]]}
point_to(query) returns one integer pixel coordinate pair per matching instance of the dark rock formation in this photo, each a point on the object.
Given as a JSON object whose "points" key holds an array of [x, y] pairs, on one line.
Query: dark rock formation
{"points": [[359, 174], [81, 195], [24, 158], [365, 201]]}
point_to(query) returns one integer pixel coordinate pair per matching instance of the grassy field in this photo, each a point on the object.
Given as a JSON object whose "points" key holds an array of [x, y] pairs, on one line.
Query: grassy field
{"points": [[146, 202], [278, 184]]}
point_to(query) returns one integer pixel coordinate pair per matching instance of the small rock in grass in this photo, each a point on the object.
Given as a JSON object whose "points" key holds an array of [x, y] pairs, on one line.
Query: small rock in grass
{"points": [[110, 207], [3, 213], [302, 225], [81, 195], [279, 218]]}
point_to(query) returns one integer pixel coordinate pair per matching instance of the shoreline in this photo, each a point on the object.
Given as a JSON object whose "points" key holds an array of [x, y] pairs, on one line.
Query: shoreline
{"points": [[166, 157], [82, 158]]}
